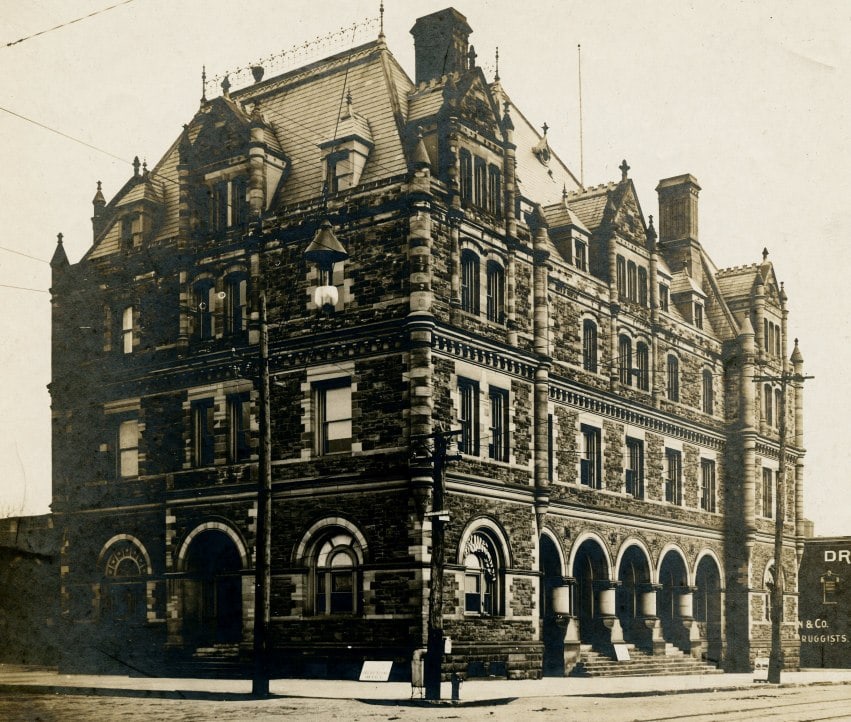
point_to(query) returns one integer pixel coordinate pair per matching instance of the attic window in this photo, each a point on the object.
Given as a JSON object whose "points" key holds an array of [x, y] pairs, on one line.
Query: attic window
{"points": [[228, 206], [698, 315]]}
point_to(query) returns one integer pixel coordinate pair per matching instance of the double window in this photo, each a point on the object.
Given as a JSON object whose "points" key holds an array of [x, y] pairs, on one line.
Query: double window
{"points": [[674, 477], [227, 204], [635, 468], [333, 404], [590, 464], [707, 485]]}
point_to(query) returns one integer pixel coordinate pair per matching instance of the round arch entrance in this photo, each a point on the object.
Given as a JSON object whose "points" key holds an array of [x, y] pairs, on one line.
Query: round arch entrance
{"points": [[212, 590], [707, 606], [590, 569], [553, 636], [673, 579], [634, 578]]}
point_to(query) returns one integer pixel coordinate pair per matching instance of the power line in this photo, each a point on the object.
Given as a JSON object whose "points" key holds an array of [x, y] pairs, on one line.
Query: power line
{"points": [[22, 288], [66, 24], [25, 255]]}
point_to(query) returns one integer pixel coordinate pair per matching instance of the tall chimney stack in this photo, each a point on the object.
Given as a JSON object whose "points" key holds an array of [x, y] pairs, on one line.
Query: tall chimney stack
{"points": [[440, 44]]}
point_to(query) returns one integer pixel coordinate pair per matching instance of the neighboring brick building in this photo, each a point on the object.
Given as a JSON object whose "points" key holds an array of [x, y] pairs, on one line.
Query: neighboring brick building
{"points": [[617, 458]]}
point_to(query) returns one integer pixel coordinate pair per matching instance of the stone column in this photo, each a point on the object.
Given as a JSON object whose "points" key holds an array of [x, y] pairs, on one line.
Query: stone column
{"points": [[606, 603], [649, 619], [691, 639]]}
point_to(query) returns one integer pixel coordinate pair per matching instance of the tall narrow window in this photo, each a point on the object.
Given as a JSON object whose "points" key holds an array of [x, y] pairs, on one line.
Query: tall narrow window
{"points": [[236, 313], [219, 201], [468, 418], [674, 477], [333, 416], [203, 433], [642, 286], [239, 202], [768, 400], [673, 378], [495, 293], [580, 257], [128, 448], [768, 493], [481, 183], [469, 281], [778, 406], [777, 342], [589, 345], [642, 365], [663, 297], [550, 448], [766, 345], [498, 446], [590, 465], [620, 265], [127, 329], [126, 231], [239, 428], [707, 485], [768, 583], [635, 468], [631, 282], [625, 359], [465, 161], [205, 305], [708, 395], [494, 190], [698, 315]]}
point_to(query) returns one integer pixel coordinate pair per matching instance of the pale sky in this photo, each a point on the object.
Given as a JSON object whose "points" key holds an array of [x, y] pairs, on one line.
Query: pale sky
{"points": [[751, 98]]}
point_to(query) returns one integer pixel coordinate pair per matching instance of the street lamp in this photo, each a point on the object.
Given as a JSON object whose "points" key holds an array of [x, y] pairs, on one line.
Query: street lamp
{"points": [[325, 250]]}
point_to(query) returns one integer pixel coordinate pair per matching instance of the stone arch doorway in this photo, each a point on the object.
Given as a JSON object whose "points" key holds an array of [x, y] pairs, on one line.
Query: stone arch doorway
{"points": [[673, 579], [634, 578], [707, 606], [212, 590], [591, 571], [552, 634]]}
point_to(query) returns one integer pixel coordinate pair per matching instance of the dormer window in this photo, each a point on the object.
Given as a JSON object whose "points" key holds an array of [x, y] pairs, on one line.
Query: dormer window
{"points": [[698, 315], [228, 204], [346, 153], [580, 256], [663, 297]]}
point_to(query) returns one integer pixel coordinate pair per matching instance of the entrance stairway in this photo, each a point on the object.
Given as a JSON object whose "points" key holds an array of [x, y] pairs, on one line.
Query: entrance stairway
{"points": [[215, 661], [640, 664]]}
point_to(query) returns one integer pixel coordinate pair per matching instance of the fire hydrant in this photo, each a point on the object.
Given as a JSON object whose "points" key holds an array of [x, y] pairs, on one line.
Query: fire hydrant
{"points": [[455, 681]]}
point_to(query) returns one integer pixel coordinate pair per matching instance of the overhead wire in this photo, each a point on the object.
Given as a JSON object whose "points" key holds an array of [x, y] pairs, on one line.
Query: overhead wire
{"points": [[66, 24]]}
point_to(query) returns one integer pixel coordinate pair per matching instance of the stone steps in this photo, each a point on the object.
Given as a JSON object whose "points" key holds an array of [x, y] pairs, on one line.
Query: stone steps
{"points": [[674, 662]]}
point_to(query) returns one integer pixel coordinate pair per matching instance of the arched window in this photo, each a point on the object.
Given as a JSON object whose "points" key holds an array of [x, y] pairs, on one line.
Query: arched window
{"points": [[204, 304], [768, 584], [625, 359], [336, 580], [642, 365], [673, 378], [123, 590], [495, 293], [589, 345], [708, 397], [481, 576], [469, 281]]}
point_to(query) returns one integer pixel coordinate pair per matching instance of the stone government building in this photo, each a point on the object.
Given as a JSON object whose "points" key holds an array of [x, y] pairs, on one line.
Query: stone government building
{"points": [[617, 461]]}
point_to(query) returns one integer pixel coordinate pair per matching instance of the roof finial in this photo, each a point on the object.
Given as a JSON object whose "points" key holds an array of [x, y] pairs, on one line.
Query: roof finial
{"points": [[564, 192], [226, 87], [471, 57], [145, 167], [496, 71], [545, 127], [381, 21], [203, 83], [136, 165], [764, 255], [624, 169], [59, 238]]}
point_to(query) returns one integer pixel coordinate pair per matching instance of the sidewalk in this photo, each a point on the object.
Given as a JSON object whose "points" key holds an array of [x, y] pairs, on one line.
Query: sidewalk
{"points": [[50, 681]]}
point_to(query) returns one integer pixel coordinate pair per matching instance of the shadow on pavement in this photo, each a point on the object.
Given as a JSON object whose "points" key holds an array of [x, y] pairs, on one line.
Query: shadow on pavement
{"points": [[137, 693]]}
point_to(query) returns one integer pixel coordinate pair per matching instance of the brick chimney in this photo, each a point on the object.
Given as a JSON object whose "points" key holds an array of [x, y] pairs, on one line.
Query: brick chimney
{"points": [[440, 44], [678, 239]]}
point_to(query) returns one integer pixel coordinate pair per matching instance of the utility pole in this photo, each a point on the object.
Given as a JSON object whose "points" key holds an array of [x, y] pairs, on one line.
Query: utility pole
{"points": [[438, 455], [775, 660], [263, 543]]}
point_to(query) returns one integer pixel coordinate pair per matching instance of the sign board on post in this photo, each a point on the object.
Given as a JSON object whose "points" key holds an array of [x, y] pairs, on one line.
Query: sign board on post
{"points": [[375, 671], [760, 669]]}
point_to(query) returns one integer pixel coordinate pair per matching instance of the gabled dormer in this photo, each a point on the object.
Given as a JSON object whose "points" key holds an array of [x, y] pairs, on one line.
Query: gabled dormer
{"points": [[344, 156], [688, 297], [231, 164]]}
